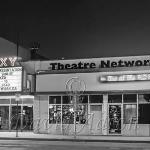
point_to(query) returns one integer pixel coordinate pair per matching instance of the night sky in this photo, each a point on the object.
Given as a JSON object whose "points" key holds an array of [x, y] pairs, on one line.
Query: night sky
{"points": [[78, 28]]}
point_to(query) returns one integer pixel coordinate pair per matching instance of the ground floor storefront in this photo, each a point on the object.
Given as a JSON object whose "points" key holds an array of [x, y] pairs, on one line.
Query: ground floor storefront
{"points": [[16, 116], [96, 114]]}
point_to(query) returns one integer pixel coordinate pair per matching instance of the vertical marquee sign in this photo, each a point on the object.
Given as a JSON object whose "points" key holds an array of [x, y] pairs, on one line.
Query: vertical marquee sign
{"points": [[11, 79]]}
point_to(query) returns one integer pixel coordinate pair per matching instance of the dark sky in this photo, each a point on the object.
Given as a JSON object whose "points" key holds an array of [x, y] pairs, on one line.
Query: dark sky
{"points": [[79, 28]]}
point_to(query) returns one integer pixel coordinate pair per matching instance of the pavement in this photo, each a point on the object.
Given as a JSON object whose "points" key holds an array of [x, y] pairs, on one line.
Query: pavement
{"points": [[86, 138]]}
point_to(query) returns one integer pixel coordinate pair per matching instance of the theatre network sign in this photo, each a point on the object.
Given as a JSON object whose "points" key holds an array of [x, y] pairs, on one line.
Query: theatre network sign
{"points": [[10, 76], [101, 63]]}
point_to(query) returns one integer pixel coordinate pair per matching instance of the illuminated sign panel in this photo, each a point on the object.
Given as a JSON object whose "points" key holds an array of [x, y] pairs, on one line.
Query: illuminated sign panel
{"points": [[125, 77], [11, 79]]}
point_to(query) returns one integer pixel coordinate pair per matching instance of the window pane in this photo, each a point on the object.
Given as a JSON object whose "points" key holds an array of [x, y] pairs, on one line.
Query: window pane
{"points": [[67, 114], [54, 114], [144, 98], [144, 111], [4, 101], [95, 108], [96, 98], [27, 100], [54, 99], [129, 98], [13, 101], [115, 98], [130, 113], [83, 99], [66, 99]]}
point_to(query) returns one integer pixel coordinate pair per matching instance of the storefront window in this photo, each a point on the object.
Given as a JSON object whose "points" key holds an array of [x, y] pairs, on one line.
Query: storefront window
{"points": [[54, 114], [130, 113], [96, 98], [115, 98]]}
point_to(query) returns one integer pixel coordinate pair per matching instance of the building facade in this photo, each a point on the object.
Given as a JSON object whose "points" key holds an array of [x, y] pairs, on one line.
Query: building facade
{"points": [[111, 96]]}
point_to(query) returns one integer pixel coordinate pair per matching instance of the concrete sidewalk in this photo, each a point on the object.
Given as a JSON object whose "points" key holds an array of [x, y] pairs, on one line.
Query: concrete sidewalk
{"points": [[87, 138]]}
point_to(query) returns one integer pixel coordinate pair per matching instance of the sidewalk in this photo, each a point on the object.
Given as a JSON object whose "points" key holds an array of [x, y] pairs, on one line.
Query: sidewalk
{"points": [[90, 138]]}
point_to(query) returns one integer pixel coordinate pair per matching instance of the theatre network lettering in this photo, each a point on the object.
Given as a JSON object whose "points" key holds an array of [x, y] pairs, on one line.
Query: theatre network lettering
{"points": [[100, 64], [10, 79]]}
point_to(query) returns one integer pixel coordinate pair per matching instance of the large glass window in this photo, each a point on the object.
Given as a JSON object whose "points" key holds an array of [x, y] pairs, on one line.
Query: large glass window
{"points": [[130, 113]]}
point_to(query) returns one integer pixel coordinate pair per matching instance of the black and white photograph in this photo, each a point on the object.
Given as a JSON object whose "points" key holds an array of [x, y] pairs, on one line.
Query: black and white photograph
{"points": [[75, 74]]}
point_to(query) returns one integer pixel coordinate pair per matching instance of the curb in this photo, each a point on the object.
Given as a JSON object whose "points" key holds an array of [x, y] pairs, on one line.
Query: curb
{"points": [[74, 140]]}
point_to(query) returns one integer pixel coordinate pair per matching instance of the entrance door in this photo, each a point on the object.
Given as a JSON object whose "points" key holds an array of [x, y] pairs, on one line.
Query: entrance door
{"points": [[96, 123], [115, 119]]}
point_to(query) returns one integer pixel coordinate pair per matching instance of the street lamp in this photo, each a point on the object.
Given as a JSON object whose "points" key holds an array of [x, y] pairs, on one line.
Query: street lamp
{"points": [[17, 98]]}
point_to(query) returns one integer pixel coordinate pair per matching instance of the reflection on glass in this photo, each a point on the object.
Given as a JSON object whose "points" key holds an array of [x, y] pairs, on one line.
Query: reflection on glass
{"points": [[130, 113], [54, 114]]}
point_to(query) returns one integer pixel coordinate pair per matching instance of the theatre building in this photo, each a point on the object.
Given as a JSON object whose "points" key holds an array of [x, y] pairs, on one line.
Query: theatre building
{"points": [[111, 96]]}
